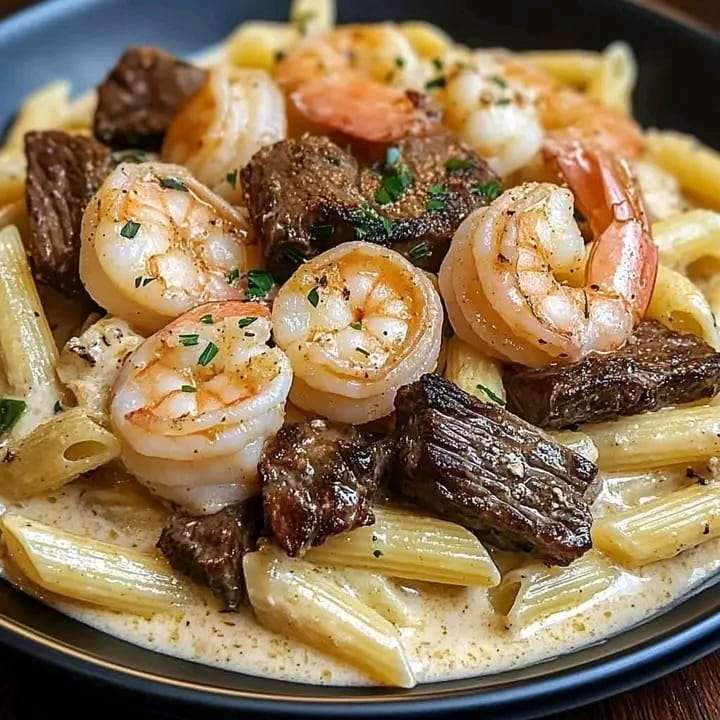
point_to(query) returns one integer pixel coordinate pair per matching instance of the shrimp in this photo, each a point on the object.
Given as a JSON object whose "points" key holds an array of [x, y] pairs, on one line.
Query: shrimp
{"points": [[218, 130], [355, 80], [357, 322], [513, 279], [155, 242], [495, 116], [194, 404]]}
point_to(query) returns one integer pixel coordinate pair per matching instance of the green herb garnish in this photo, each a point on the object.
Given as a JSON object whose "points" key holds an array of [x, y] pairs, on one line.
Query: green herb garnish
{"points": [[293, 254], [206, 356], [130, 229], [138, 281], [172, 183], [436, 197], [419, 252], [399, 61], [487, 191], [259, 284], [244, 322], [301, 20], [321, 232], [10, 412], [207, 319], [503, 101], [133, 156], [458, 165], [437, 63], [368, 222], [394, 183], [495, 398], [377, 553], [58, 407], [357, 325], [438, 82], [498, 81], [188, 388], [231, 177], [313, 297], [189, 339], [232, 276]]}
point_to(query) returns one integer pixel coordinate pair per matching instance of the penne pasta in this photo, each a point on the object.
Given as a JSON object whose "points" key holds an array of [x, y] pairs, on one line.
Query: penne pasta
{"points": [[293, 597], [473, 371], [260, 44], [657, 439], [685, 238], [405, 545], [428, 40], [571, 67], [55, 453], [535, 591], [680, 305], [696, 166], [99, 573], [614, 79], [661, 528], [27, 349]]}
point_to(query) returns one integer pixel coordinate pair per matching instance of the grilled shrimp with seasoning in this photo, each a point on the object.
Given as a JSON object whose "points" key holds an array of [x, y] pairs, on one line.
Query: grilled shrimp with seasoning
{"points": [[196, 401], [155, 243], [357, 322]]}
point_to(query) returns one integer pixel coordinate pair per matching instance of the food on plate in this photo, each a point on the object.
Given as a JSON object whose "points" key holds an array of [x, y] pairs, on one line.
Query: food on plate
{"points": [[348, 354]]}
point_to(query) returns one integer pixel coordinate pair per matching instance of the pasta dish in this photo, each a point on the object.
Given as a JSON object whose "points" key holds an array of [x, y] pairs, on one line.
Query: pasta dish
{"points": [[348, 354]]}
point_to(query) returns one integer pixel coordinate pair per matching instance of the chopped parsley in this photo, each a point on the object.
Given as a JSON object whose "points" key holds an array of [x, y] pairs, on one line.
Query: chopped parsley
{"points": [[357, 325], [458, 165], [302, 19], [293, 254], [363, 351], [399, 62], [172, 183], [244, 322], [232, 276], [498, 81], [438, 82], [206, 356], [259, 284], [313, 297], [495, 398], [503, 101], [133, 156], [321, 232], [368, 222], [231, 177], [437, 63], [487, 191], [130, 229], [58, 407], [395, 181], [436, 197], [10, 412], [419, 252], [188, 388], [189, 339], [207, 319], [143, 281], [333, 160], [138, 281]]}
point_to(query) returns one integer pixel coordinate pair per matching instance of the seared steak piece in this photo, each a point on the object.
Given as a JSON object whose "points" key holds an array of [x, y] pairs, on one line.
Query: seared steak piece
{"points": [[478, 465], [657, 367], [140, 96], [307, 195], [210, 548], [63, 172], [319, 480]]}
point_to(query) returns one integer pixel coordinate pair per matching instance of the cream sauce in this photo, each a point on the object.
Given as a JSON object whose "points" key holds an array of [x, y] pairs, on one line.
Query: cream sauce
{"points": [[458, 633]]}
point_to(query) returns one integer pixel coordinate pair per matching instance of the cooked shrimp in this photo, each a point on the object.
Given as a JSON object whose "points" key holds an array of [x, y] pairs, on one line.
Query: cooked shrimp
{"points": [[508, 279], [494, 115], [354, 80], [218, 130], [156, 242], [196, 401], [357, 322]]}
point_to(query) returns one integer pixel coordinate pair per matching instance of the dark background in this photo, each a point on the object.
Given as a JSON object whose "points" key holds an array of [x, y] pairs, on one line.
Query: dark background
{"points": [[31, 692]]}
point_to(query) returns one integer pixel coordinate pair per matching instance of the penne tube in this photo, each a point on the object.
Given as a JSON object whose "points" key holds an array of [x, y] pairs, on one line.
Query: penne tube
{"points": [[428, 40], [661, 528], [46, 108], [696, 166], [292, 597], [12, 176], [613, 81], [27, 348], [528, 593], [259, 44], [473, 371], [657, 439], [415, 547], [55, 453], [99, 573], [687, 237], [680, 305], [570, 67]]}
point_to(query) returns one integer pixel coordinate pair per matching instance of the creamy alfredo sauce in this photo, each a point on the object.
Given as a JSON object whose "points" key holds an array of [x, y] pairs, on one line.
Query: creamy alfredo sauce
{"points": [[457, 634]]}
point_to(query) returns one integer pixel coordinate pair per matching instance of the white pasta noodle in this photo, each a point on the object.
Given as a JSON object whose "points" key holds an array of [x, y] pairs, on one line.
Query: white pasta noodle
{"points": [[615, 77]]}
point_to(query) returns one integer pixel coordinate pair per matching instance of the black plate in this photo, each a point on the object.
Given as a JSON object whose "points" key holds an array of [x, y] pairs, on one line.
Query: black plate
{"points": [[80, 39]]}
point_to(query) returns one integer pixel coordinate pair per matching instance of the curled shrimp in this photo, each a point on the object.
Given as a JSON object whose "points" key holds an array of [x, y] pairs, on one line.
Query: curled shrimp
{"points": [[357, 322], [516, 283], [155, 242], [216, 132], [194, 404], [355, 80]]}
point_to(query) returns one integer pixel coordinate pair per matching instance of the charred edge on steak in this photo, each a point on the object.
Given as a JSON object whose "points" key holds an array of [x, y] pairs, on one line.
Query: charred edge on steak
{"points": [[63, 173], [210, 549], [319, 480], [478, 465], [657, 367], [141, 95], [307, 195]]}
